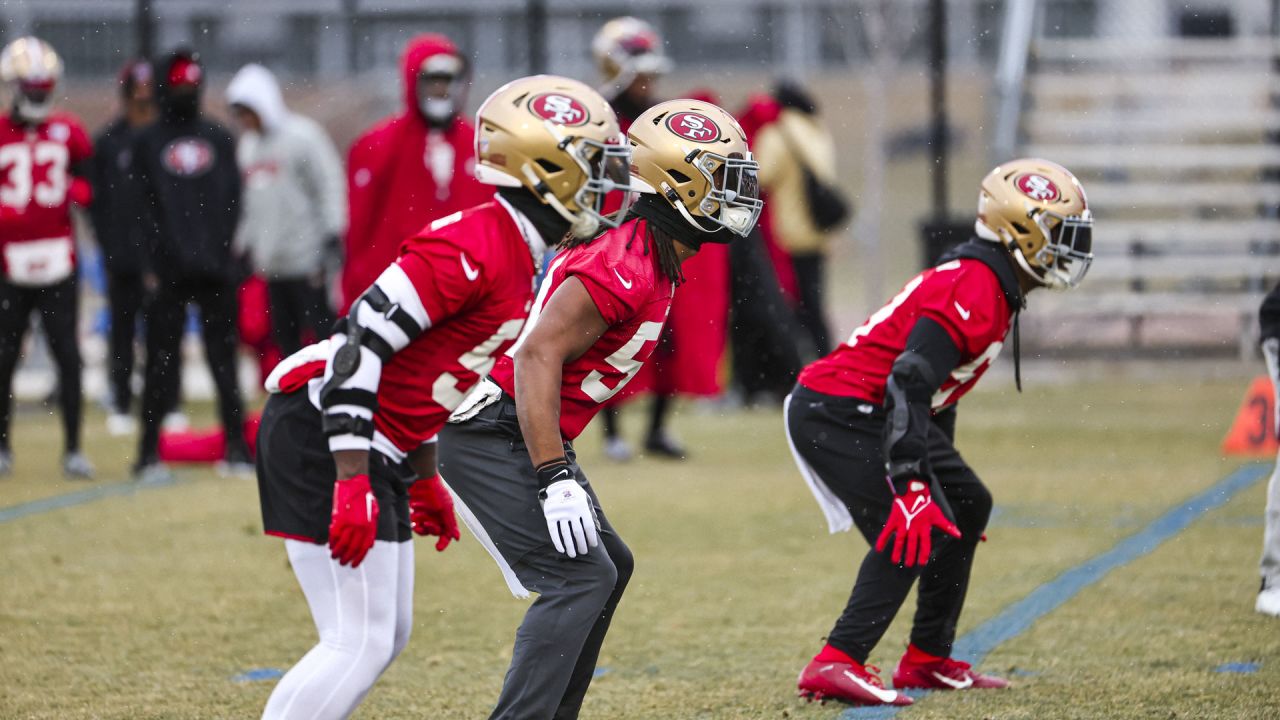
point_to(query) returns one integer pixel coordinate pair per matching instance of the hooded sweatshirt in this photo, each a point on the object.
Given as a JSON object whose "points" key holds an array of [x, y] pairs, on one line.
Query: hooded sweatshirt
{"points": [[402, 174], [294, 191], [190, 187]]}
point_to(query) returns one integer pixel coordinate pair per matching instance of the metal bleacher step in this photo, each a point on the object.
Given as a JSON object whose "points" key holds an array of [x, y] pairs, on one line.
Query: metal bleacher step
{"points": [[1125, 50], [1237, 87], [1197, 234], [1109, 122], [1184, 267], [1162, 156], [1116, 195]]}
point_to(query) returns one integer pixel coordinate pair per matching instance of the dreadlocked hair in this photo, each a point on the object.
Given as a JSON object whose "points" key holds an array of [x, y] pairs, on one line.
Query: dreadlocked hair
{"points": [[662, 244]]}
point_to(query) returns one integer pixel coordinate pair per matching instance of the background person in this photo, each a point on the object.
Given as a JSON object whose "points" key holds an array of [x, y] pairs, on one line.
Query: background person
{"points": [[44, 155], [190, 185], [117, 226], [792, 148], [295, 205], [413, 167]]}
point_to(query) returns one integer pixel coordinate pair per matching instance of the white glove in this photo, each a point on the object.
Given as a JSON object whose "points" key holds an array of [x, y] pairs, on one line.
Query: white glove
{"points": [[298, 366], [570, 518]]}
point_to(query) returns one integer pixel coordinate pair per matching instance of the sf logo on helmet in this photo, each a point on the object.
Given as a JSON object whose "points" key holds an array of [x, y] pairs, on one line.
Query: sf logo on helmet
{"points": [[1037, 187], [694, 126], [559, 109]]}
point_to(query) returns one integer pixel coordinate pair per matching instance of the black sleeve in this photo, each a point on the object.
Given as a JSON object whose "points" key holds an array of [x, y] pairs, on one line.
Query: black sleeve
{"points": [[1269, 314], [144, 193], [927, 360], [97, 179]]}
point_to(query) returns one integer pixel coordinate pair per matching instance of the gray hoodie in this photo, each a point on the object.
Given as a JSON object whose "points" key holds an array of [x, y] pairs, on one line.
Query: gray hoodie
{"points": [[295, 193]]}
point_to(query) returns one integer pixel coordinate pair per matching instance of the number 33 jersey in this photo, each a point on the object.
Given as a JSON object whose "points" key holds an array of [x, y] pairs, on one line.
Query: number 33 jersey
{"points": [[36, 181], [620, 273]]}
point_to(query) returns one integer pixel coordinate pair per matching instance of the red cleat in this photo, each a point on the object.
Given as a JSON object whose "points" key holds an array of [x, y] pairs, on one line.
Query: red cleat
{"points": [[846, 682], [942, 674]]}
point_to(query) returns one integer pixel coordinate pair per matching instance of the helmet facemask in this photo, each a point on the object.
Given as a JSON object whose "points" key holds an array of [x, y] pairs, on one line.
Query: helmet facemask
{"points": [[1064, 258], [34, 100], [733, 198], [606, 165]]}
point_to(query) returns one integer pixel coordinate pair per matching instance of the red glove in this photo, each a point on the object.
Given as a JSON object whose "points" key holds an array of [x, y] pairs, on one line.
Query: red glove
{"points": [[912, 518], [354, 525], [431, 511], [80, 192]]}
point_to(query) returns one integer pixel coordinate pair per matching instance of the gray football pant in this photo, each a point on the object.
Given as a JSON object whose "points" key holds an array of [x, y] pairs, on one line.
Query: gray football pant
{"points": [[1270, 565], [485, 463]]}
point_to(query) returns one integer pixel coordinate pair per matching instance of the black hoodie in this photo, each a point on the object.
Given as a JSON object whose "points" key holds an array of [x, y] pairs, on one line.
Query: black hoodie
{"points": [[185, 165]]}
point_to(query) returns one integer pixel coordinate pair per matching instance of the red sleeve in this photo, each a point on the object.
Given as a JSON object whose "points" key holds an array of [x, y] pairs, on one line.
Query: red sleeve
{"points": [[968, 303], [447, 278], [79, 144], [617, 296], [79, 152]]}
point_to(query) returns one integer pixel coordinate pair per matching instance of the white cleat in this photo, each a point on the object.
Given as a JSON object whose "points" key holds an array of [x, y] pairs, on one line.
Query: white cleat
{"points": [[1268, 602], [121, 425], [617, 450], [75, 466], [175, 422]]}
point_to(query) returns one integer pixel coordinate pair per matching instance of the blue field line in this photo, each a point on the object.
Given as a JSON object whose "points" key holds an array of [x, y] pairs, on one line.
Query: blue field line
{"points": [[98, 492], [975, 645]]}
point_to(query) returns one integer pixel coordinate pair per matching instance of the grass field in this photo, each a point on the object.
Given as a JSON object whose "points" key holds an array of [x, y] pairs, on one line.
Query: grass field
{"points": [[149, 604]]}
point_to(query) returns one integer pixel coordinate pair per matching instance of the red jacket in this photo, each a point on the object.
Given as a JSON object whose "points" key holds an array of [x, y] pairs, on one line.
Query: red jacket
{"points": [[391, 188]]}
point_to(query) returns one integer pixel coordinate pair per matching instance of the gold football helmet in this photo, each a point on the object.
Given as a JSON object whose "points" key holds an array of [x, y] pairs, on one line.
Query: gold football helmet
{"points": [[32, 65], [1038, 210], [695, 155], [624, 48], [559, 139]]}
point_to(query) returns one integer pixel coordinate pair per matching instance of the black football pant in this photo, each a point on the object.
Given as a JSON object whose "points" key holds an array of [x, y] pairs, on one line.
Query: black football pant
{"points": [[840, 439], [165, 322], [811, 283], [298, 304], [485, 462], [125, 294], [59, 314]]}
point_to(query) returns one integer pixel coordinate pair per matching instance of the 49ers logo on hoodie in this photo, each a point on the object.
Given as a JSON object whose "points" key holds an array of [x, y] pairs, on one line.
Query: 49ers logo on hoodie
{"points": [[188, 157], [559, 109]]}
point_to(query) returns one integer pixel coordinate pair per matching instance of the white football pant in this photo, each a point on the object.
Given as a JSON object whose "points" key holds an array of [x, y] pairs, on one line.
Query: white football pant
{"points": [[363, 616]]}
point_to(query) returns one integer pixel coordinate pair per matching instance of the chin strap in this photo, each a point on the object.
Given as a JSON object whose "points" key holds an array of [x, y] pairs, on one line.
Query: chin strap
{"points": [[580, 225]]}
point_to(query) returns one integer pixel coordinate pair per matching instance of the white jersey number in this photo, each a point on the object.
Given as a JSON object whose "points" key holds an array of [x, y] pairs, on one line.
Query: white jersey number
{"points": [[478, 360], [20, 161], [624, 361]]}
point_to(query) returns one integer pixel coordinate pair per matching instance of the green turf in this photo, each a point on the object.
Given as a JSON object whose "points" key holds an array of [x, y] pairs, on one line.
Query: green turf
{"points": [[146, 605]]}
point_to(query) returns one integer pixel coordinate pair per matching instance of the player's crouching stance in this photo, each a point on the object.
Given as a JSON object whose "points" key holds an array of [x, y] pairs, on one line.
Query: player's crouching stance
{"points": [[506, 452], [355, 421], [884, 403]]}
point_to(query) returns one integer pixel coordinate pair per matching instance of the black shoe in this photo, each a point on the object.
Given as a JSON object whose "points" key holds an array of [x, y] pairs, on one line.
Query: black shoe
{"points": [[662, 445]]}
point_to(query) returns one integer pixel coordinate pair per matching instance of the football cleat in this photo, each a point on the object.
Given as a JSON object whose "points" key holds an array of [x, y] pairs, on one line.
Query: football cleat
{"points": [[617, 449], [663, 445], [1268, 602], [846, 682], [152, 472], [121, 424], [943, 674], [75, 466]]}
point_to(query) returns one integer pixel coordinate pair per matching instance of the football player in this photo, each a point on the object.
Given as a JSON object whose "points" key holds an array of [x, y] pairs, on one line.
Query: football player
{"points": [[346, 450], [630, 58], [43, 166], [507, 452], [872, 427]]}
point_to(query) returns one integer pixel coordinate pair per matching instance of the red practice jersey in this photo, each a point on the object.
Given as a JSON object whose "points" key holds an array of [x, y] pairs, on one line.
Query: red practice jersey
{"points": [[632, 295], [963, 296], [473, 272], [36, 182]]}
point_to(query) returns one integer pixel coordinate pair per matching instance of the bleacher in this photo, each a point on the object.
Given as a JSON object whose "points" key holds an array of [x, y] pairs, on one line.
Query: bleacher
{"points": [[1175, 141]]}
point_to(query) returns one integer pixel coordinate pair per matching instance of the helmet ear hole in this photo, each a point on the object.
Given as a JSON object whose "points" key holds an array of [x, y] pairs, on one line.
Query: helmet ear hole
{"points": [[549, 166], [678, 176], [1022, 230]]}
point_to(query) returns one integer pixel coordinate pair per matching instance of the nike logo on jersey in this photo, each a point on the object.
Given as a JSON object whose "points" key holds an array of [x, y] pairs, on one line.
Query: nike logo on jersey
{"points": [[963, 313], [467, 270], [625, 283], [884, 696], [957, 684]]}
